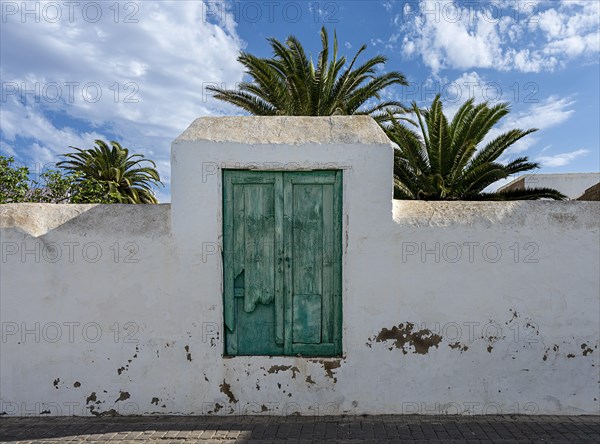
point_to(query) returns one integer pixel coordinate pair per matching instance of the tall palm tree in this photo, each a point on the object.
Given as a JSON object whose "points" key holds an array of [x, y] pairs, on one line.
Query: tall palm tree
{"points": [[289, 83], [122, 176], [445, 162]]}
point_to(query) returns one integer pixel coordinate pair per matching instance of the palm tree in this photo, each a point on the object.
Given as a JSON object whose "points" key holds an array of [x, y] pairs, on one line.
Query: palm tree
{"points": [[122, 177], [289, 84], [445, 161]]}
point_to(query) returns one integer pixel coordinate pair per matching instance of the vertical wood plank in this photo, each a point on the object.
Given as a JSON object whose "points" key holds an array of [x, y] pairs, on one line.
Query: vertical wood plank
{"points": [[279, 260], [289, 251], [337, 244], [307, 267], [308, 231], [328, 263], [228, 272], [260, 245]]}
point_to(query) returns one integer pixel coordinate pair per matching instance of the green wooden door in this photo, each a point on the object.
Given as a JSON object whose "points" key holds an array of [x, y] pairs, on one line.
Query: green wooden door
{"points": [[282, 262]]}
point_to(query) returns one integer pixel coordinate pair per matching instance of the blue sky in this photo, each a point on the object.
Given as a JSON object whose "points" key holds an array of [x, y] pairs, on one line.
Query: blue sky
{"points": [[135, 71]]}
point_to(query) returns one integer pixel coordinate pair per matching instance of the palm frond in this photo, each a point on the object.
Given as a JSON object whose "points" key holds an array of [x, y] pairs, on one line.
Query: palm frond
{"points": [[445, 163], [290, 83], [124, 177]]}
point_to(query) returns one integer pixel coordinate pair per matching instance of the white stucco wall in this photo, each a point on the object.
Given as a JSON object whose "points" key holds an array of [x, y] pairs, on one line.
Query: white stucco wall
{"points": [[510, 326], [572, 185]]}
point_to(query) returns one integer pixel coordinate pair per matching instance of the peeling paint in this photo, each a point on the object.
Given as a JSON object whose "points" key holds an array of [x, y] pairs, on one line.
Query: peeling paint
{"points": [[586, 349], [122, 396], [532, 325], [77, 384], [126, 367], [56, 381], [226, 389], [555, 348], [155, 401], [111, 412], [282, 368], [188, 354], [91, 398], [214, 340], [491, 341], [458, 346], [329, 366], [403, 335], [309, 380]]}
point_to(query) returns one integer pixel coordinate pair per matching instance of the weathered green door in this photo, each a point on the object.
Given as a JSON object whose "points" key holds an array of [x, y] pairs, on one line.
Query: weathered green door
{"points": [[282, 262]]}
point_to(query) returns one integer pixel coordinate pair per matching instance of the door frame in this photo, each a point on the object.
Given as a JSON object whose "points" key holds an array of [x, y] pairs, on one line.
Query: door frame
{"points": [[286, 179]]}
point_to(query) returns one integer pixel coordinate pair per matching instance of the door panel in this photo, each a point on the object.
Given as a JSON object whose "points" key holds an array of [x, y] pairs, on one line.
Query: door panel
{"points": [[312, 230], [252, 280]]}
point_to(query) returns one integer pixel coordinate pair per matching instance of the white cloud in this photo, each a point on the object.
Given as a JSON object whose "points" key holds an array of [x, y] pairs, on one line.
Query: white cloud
{"points": [[535, 37], [543, 114], [550, 112], [468, 86], [29, 122], [551, 23], [574, 46], [7, 149], [562, 159], [150, 73]]}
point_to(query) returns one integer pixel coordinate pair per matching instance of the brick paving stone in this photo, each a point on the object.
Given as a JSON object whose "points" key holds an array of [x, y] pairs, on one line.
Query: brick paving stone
{"points": [[300, 430], [270, 431], [331, 431], [343, 430], [391, 430], [319, 430], [367, 430], [307, 430]]}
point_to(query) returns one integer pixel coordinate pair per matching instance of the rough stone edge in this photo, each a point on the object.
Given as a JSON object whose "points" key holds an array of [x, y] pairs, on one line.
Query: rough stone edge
{"points": [[285, 130], [38, 219], [534, 214]]}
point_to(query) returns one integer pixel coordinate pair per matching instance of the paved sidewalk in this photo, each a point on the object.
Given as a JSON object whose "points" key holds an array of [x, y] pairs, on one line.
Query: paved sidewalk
{"points": [[354, 429]]}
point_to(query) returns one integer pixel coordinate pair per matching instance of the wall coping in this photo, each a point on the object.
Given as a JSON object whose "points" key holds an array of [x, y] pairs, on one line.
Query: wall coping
{"points": [[37, 219], [286, 130]]}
